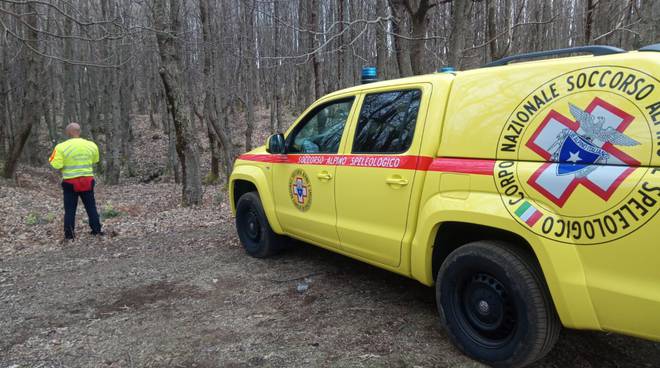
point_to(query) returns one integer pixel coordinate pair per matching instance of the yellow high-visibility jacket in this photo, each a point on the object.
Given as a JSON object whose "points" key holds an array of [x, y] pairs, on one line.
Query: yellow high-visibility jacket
{"points": [[75, 158]]}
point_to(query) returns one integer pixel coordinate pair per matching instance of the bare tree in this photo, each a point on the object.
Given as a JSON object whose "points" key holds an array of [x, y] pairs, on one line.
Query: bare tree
{"points": [[399, 25], [459, 21], [499, 44], [168, 27], [218, 126], [30, 100], [222, 62]]}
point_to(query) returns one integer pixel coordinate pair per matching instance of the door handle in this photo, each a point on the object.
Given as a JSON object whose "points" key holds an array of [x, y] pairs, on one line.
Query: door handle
{"points": [[324, 176], [396, 181]]}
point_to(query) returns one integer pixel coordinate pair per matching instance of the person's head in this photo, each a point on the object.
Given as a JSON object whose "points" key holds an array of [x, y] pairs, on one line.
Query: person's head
{"points": [[72, 130]]}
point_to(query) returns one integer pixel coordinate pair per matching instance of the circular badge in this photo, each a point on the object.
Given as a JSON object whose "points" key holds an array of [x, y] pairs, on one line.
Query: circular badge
{"points": [[300, 190], [574, 159]]}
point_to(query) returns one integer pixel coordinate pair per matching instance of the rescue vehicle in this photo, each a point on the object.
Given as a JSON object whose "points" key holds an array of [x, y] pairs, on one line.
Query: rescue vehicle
{"points": [[524, 191]]}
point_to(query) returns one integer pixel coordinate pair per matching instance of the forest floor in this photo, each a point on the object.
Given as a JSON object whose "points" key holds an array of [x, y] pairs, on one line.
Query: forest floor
{"points": [[171, 287]]}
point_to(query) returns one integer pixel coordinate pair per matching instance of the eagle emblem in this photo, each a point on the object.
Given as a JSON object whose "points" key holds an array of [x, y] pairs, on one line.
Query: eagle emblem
{"points": [[577, 152], [594, 130]]}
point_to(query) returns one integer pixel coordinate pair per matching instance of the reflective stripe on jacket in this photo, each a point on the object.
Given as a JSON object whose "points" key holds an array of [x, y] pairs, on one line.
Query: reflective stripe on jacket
{"points": [[75, 158]]}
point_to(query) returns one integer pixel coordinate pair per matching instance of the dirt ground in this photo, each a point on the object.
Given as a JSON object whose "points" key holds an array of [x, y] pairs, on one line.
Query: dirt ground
{"points": [[171, 287], [195, 299]]}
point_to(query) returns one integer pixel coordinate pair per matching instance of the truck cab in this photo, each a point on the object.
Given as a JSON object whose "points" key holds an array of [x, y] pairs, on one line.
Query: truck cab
{"points": [[525, 194]]}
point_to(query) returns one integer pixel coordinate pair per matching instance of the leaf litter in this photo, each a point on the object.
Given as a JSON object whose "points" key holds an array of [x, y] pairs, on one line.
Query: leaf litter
{"points": [[171, 286]]}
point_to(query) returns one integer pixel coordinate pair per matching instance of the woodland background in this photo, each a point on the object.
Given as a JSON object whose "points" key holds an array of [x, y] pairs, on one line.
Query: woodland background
{"points": [[216, 75], [172, 91]]}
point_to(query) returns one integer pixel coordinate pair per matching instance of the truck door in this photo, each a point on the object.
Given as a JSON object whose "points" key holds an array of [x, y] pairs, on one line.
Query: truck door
{"points": [[304, 183], [374, 185]]}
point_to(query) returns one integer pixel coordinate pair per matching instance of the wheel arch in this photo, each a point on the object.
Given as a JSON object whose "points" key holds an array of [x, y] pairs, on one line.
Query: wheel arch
{"points": [[240, 187], [248, 178], [451, 235], [448, 224]]}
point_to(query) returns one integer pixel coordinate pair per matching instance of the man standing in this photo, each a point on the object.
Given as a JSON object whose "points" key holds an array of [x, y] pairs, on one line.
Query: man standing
{"points": [[75, 158]]}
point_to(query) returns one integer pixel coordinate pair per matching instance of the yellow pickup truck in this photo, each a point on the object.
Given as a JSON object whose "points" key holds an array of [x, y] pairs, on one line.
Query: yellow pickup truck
{"points": [[524, 191]]}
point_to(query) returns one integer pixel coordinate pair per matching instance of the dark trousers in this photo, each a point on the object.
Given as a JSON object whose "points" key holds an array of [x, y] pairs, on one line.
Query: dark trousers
{"points": [[70, 206]]}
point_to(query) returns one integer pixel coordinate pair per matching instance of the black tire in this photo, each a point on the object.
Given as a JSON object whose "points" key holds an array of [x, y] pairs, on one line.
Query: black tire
{"points": [[258, 238], [495, 306]]}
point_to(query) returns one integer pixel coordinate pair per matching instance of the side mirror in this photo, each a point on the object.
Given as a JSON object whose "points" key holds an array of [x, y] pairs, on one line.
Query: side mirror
{"points": [[275, 144]]}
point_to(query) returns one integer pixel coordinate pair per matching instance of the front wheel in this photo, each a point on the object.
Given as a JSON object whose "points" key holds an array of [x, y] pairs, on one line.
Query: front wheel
{"points": [[495, 306], [254, 231]]}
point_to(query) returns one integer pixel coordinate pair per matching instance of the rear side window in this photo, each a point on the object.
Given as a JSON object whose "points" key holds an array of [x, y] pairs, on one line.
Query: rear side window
{"points": [[387, 122]]}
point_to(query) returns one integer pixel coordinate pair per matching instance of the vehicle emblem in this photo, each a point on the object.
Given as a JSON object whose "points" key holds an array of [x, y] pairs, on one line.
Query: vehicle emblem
{"points": [[576, 159], [300, 190], [580, 151]]}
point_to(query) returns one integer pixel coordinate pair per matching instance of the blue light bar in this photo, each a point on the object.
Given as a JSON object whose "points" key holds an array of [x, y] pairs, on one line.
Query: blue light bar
{"points": [[369, 74], [446, 69]]}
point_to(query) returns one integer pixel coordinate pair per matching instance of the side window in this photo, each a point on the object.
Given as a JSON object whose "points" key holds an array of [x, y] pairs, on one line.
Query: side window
{"points": [[321, 130], [387, 122]]}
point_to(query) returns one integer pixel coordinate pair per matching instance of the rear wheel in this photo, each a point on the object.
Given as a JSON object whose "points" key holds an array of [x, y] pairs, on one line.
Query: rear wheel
{"points": [[254, 231], [495, 306]]}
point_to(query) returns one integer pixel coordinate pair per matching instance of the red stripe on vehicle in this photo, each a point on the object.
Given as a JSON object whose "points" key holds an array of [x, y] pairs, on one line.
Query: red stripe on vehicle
{"points": [[378, 161], [422, 163], [263, 158], [463, 165]]}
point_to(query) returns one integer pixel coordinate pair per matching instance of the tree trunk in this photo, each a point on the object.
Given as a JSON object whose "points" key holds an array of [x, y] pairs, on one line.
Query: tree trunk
{"points": [[229, 152], [210, 98], [497, 47], [249, 120], [589, 16], [168, 127], [31, 154], [650, 16], [126, 135], [419, 23], [205, 11], [4, 92], [213, 145], [381, 40], [316, 63], [459, 23], [170, 73], [153, 124], [250, 74], [340, 46], [275, 91], [69, 84], [400, 49], [112, 131], [30, 102], [112, 110], [49, 110], [305, 71], [604, 17]]}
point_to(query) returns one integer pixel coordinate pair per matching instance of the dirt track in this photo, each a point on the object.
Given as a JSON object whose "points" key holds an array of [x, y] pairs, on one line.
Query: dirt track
{"points": [[194, 299], [171, 287]]}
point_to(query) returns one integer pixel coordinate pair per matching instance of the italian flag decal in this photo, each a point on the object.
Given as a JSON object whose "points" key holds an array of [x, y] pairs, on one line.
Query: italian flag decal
{"points": [[528, 213]]}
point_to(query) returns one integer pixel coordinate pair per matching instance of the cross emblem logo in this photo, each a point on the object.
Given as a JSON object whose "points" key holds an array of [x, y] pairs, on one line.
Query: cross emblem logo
{"points": [[582, 151], [299, 190]]}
